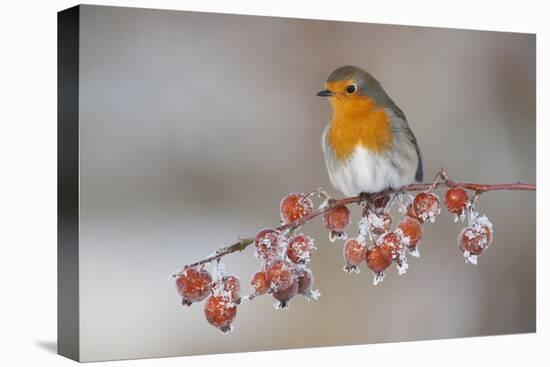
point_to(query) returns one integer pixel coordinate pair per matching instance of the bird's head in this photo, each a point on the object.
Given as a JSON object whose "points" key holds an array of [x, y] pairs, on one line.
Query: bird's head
{"points": [[351, 88]]}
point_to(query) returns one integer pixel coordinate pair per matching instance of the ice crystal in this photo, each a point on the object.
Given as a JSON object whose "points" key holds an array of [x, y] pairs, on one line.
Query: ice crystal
{"points": [[378, 278], [415, 252], [312, 295], [469, 258], [351, 269], [363, 230], [402, 268]]}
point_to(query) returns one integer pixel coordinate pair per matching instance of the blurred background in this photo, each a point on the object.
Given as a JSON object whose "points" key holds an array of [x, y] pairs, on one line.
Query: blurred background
{"points": [[193, 126]]}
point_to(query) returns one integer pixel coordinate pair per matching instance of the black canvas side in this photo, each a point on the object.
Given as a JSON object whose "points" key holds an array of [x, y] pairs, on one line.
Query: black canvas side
{"points": [[68, 23]]}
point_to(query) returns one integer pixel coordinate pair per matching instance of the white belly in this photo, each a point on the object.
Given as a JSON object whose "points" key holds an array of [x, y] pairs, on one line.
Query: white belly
{"points": [[369, 172]]}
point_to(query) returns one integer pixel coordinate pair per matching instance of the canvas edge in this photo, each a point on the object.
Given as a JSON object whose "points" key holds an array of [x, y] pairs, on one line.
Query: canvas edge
{"points": [[68, 45]]}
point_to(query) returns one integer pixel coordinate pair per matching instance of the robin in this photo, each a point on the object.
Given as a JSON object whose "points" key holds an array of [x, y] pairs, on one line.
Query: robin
{"points": [[368, 144]]}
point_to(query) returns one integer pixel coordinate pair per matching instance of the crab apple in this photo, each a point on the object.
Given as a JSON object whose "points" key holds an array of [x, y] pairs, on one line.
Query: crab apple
{"points": [[412, 229], [267, 244], [220, 312], [456, 200], [337, 219], [379, 203], [299, 249], [259, 283], [394, 240], [354, 254], [379, 223], [194, 285], [232, 286], [475, 240], [426, 205], [285, 295], [280, 274], [305, 280], [411, 214], [295, 206], [380, 257]]}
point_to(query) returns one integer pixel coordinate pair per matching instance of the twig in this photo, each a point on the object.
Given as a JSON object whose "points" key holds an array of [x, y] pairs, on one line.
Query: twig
{"points": [[441, 180]]}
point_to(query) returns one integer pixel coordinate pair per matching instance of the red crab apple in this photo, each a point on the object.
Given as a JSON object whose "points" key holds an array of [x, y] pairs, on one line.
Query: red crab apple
{"points": [[299, 249], [280, 275], [337, 219], [426, 206], [259, 283], [220, 312], [456, 200], [194, 285], [295, 206]]}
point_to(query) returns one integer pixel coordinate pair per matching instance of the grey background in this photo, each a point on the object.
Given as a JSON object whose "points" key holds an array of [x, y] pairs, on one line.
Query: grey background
{"points": [[193, 126]]}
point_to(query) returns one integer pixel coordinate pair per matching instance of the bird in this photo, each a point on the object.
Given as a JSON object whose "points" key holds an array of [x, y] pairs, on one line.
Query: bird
{"points": [[368, 145]]}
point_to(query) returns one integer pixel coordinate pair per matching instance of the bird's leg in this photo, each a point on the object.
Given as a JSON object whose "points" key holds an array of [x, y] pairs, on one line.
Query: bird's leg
{"points": [[391, 201]]}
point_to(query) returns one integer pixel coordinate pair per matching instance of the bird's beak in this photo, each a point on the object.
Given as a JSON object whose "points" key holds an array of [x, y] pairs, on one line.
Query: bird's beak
{"points": [[325, 93]]}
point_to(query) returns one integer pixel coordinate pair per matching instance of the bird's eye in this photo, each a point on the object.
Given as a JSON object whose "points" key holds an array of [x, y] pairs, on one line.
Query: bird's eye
{"points": [[350, 88]]}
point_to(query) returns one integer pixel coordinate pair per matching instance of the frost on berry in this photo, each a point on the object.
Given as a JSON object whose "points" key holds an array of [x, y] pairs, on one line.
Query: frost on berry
{"points": [[456, 201], [299, 249], [379, 223], [363, 230], [193, 285], [285, 295], [295, 206], [399, 255], [220, 312], [259, 284], [280, 275], [354, 254], [476, 238], [412, 231], [267, 244], [426, 206], [336, 220]]}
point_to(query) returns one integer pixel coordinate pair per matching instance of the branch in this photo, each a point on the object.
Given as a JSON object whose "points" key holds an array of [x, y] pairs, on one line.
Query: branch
{"points": [[441, 180]]}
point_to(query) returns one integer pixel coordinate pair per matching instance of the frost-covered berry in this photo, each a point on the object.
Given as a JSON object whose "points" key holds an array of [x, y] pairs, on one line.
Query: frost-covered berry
{"points": [[295, 206], [412, 232], [267, 244], [379, 223], [378, 205], [380, 257], [305, 284], [220, 312], [354, 254], [475, 240], [232, 286], [456, 200], [393, 239], [426, 206], [299, 249], [280, 274], [410, 213], [285, 295], [259, 284], [337, 219], [305, 280], [194, 285]]}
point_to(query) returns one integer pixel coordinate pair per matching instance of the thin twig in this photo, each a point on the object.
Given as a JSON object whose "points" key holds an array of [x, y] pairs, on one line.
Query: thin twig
{"points": [[441, 180]]}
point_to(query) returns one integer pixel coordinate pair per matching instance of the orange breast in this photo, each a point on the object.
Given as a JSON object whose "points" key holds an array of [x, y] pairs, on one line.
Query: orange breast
{"points": [[358, 122]]}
